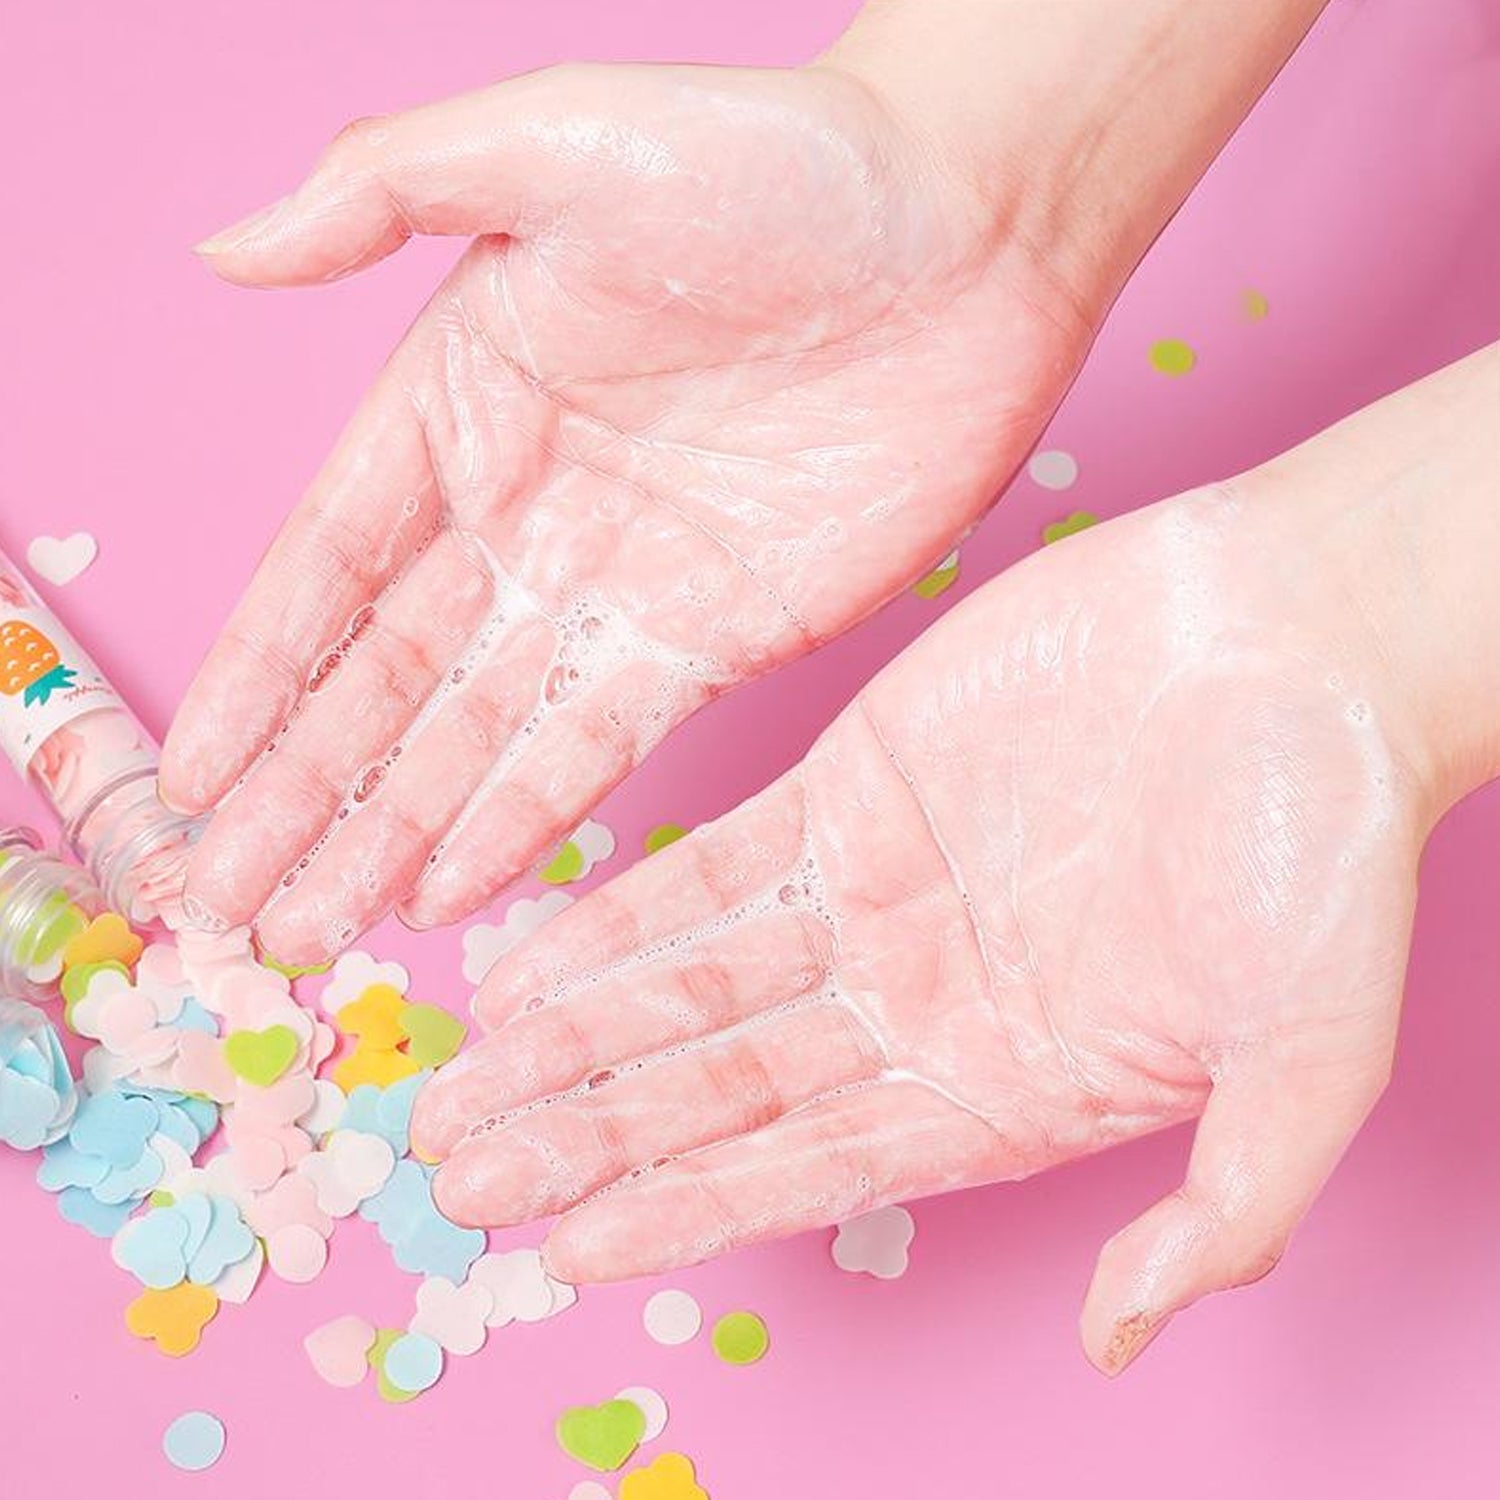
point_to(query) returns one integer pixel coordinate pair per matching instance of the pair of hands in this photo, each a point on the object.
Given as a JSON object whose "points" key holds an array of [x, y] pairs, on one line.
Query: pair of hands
{"points": [[1118, 843]]}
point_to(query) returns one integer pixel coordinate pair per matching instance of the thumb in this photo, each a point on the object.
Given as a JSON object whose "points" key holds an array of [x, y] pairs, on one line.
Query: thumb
{"points": [[1274, 1129], [489, 162]]}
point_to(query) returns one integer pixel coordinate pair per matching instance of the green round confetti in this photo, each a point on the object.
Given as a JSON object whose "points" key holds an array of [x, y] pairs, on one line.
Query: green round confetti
{"points": [[1172, 356], [567, 864], [664, 834], [940, 580], [740, 1338]]}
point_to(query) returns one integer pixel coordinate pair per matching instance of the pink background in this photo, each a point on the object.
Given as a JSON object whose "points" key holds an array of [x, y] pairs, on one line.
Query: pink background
{"points": [[177, 419]]}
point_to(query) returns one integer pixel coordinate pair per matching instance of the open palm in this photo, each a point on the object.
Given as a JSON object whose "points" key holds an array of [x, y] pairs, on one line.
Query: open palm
{"points": [[1118, 843], [729, 364]]}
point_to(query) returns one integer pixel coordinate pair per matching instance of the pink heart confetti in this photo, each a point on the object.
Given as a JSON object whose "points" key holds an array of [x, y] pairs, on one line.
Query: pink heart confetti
{"points": [[339, 1350]]}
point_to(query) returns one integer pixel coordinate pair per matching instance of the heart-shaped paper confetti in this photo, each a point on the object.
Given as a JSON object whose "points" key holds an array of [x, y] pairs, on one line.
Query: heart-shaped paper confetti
{"points": [[348, 1170], [433, 1035], [603, 1436], [520, 1286], [61, 559], [261, 1057], [339, 1351]]}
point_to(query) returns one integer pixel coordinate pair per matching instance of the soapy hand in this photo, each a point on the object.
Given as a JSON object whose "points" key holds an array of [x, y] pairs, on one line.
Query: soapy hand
{"points": [[1129, 838], [731, 360]]}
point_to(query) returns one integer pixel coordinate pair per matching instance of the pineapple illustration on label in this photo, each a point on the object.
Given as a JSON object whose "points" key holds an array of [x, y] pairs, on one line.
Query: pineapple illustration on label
{"points": [[30, 664], [47, 679]]}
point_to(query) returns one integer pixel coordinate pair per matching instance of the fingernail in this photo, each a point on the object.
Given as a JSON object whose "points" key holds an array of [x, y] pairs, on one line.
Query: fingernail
{"points": [[1129, 1338], [246, 229]]}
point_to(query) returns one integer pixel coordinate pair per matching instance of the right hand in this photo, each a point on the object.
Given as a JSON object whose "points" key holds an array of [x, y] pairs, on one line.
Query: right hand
{"points": [[732, 359]]}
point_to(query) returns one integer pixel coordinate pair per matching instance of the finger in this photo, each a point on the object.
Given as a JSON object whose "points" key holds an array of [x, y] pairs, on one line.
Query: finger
{"points": [[369, 511], [374, 856], [548, 1159], [832, 1159], [762, 961], [488, 162], [348, 724], [1272, 1132], [665, 899], [578, 751]]}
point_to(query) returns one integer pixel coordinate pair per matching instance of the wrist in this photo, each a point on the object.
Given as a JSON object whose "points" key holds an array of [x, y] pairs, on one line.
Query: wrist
{"points": [[1387, 527], [1076, 127]]}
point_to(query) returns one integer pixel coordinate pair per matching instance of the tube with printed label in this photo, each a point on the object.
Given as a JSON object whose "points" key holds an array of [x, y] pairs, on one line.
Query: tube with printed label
{"points": [[67, 730]]}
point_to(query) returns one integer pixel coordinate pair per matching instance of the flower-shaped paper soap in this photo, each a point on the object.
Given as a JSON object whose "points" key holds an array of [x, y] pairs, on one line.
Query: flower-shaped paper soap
{"points": [[37, 1093]]}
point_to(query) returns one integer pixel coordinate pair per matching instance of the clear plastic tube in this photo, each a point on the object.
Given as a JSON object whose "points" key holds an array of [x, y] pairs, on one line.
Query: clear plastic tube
{"points": [[44, 904], [67, 730]]}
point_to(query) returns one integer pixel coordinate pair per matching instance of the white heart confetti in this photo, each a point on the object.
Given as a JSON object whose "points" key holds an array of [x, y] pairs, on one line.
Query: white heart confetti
{"points": [[61, 560], [351, 1167], [522, 1290]]}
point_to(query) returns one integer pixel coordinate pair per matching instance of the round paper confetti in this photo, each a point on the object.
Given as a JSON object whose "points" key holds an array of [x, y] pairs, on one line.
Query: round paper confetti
{"points": [[588, 1489], [1254, 304], [413, 1362], [1053, 469], [664, 834], [673, 1317], [653, 1408], [740, 1338], [940, 580], [194, 1441], [1172, 356]]}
